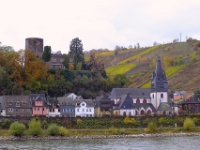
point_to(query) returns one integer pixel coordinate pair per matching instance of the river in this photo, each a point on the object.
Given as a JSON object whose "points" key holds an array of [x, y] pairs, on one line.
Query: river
{"points": [[158, 143]]}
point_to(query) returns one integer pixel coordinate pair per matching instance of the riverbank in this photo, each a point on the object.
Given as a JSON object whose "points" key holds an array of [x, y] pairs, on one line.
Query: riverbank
{"points": [[24, 138]]}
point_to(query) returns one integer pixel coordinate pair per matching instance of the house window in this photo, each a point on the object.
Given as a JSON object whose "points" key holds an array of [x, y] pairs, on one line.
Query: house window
{"points": [[144, 101], [63, 110], [16, 109], [86, 110], [153, 96], [42, 109], [10, 109], [59, 110], [34, 109], [161, 95], [90, 109], [17, 104], [83, 104], [38, 109], [77, 110], [137, 101]]}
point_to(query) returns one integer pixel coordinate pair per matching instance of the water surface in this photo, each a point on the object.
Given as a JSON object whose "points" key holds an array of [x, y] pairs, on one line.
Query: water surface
{"points": [[158, 143]]}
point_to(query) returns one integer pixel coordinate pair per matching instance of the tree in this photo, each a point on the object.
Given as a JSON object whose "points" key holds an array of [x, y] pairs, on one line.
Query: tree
{"points": [[46, 56], [121, 80], [66, 61], [76, 48]]}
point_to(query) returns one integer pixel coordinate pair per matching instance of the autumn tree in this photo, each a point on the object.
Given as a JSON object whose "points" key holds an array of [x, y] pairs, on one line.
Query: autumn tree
{"points": [[46, 56]]}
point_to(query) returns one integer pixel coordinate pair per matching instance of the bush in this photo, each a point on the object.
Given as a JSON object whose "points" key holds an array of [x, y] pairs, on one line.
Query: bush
{"points": [[5, 124], [63, 131], [122, 130], [17, 129], [113, 130], [44, 124], [152, 126], [188, 124], [53, 129], [79, 122], [35, 127]]}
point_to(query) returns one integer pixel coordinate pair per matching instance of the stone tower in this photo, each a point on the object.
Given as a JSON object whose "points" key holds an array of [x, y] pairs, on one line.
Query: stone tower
{"points": [[34, 44]]}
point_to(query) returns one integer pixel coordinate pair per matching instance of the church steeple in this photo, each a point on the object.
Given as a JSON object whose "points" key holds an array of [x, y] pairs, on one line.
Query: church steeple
{"points": [[159, 80]]}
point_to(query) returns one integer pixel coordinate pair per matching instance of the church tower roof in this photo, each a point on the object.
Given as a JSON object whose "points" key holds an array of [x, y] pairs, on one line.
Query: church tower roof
{"points": [[159, 80]]}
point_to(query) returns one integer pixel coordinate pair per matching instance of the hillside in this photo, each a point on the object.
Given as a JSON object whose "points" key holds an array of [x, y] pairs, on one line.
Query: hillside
{"points": [[138, 64]]}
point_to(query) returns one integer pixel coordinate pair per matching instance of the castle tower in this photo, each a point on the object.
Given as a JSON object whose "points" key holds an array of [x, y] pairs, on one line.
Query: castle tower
{"points": [[34, 44], [159, 86]]}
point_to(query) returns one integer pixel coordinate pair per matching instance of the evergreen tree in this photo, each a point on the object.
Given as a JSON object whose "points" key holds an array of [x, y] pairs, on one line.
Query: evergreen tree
{"points": [[76, 48], [46, 56]]}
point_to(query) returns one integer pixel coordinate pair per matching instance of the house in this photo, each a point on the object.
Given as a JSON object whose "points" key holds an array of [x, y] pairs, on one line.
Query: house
{"points": [[56, 61], [53, 109], [15, 105], [71, 95], [67, 108], [102, 106], [39, 104], [143, 101], [190, 105], [84, 108]]}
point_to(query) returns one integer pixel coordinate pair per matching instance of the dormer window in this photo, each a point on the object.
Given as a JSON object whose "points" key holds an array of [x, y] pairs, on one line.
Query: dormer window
{"points": [[83, 104], [17, 104]]}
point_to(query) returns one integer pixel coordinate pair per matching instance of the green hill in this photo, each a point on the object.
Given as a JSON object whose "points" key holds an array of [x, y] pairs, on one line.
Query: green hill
{"points": [[182, 71]]}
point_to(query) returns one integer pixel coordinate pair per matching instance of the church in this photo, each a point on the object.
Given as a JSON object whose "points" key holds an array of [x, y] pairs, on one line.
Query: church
{"points": [[156, 100]]}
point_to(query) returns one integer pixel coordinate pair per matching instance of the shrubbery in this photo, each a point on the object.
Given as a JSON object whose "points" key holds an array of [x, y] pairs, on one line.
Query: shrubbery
{"points": [[152, 126], [35, 127], [63, 131], [5, 124], [188, 124], [17, 129], [53, 129]]}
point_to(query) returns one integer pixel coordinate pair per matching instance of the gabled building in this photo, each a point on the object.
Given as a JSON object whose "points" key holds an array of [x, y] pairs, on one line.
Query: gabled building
{"points": [[102, 106], [190, 105], [39, 104], [84, 108], [15, 105], [53, 109], [67, 107]]}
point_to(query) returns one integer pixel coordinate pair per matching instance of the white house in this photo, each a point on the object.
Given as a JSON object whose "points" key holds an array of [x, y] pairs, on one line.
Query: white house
{"points": [[84, 108]]}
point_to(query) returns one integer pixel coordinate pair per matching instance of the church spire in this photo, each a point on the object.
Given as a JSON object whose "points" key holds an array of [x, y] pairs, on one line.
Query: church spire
{"points": [[158, 70], [159, 80]]}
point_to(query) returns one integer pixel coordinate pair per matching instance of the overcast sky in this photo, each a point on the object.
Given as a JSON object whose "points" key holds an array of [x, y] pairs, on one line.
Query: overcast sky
{"points": [[98, 23]]}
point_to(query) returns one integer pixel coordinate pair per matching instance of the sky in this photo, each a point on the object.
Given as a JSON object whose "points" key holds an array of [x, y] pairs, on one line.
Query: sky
{"points": [[98, 23]]}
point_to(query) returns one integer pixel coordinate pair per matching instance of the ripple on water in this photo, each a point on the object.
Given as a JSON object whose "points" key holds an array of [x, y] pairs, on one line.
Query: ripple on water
{"points": [[174, 143]]}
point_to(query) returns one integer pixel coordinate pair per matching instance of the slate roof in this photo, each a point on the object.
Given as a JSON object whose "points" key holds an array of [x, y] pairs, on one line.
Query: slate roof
{"points": [[194, 99], [65, 101], [34, 97], [15, 98], [134, 92], [89, 102], [164, 107]]}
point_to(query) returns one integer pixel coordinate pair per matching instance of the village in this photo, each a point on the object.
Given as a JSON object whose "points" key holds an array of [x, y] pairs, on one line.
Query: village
{"points": [[133, 102]]}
